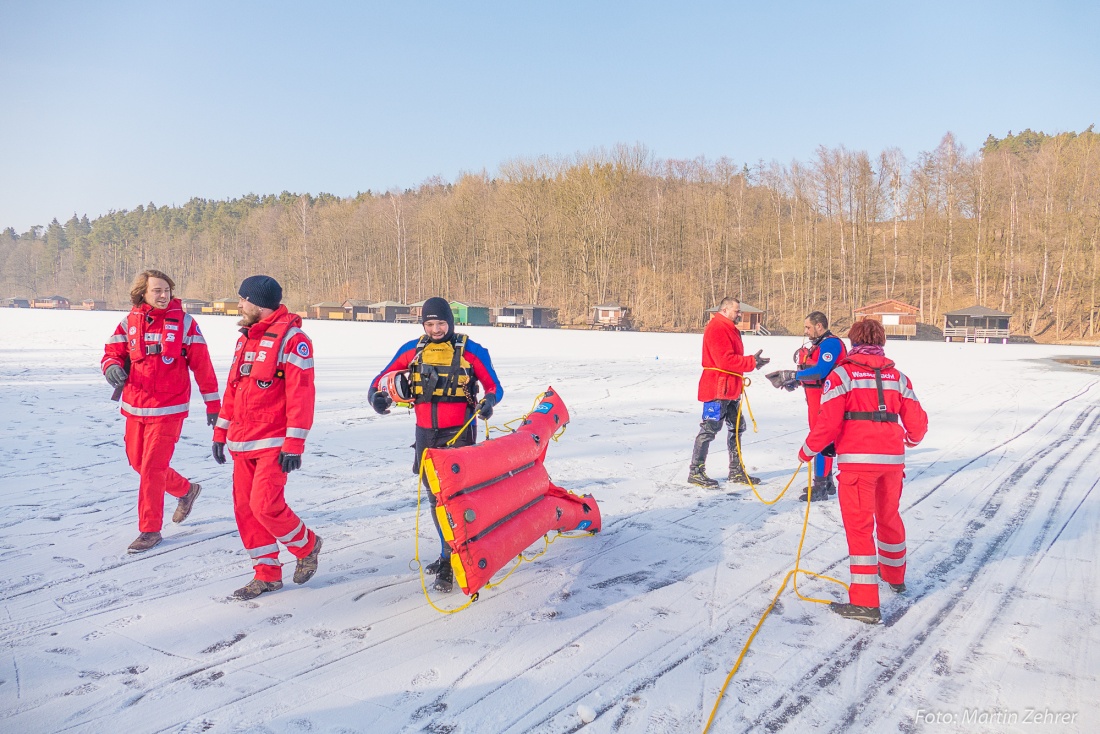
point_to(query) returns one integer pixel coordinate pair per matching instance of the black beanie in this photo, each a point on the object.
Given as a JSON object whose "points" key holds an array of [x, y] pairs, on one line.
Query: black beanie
{"points": [[262, 290], [437, 308]]}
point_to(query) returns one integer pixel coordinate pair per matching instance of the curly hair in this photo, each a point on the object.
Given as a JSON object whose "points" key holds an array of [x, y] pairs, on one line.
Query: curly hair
{"points": [[867, 331], [141, 283]]}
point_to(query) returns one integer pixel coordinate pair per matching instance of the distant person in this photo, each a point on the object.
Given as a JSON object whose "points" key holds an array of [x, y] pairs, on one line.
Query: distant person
{"points": [[870, 412], [443, 371], [720, 388], [147, 358], [815, 362], [266, 415]]}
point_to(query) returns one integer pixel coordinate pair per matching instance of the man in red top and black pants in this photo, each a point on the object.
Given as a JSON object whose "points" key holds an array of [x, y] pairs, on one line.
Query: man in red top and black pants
{"points": [[147, 359], [266, 415], [870, 412], [720, 387], [444, 372]]}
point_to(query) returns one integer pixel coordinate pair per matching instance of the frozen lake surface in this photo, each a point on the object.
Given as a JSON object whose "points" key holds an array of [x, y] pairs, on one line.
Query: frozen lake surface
{"points": [[641, 623]]}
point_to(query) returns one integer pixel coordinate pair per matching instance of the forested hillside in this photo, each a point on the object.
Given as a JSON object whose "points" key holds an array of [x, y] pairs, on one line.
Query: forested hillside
{"points": [[1013, 226]]}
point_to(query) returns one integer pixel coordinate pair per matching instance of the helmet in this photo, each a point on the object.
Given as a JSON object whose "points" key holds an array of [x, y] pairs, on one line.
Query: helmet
{"points": [[396, 385]]}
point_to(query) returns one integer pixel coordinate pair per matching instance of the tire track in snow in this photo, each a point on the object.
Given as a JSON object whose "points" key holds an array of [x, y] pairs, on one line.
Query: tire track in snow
{"points": [[815, 682]]}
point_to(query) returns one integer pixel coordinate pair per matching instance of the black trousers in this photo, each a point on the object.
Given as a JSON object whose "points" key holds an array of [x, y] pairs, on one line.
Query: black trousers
{"points": [[713, 420]]}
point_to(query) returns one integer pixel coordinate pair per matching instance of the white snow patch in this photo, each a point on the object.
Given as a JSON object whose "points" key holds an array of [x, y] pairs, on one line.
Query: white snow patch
{"points": [[637, 626]]}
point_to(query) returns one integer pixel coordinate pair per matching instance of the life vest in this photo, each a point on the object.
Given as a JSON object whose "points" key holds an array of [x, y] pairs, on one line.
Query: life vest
{"points": [[440, 373], [261, 365], [168, 343], [807, 357]]}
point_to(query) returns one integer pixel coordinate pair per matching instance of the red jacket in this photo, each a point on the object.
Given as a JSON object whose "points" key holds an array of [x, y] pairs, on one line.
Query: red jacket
{"points": [[723, 353], [270, 393], [867, 444], [166, 343]]}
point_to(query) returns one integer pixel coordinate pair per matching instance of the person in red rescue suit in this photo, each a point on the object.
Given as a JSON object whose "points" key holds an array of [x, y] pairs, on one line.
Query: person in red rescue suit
{"points": [[871, 414], [266, 415], [147, 359], [720, 387], [443, 371]]}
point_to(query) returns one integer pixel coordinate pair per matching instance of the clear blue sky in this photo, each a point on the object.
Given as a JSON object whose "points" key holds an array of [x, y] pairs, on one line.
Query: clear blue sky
{"points": [[109, 105]]}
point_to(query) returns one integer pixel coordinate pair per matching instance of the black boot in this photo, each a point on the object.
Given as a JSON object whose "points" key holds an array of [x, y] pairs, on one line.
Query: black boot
{"points": [[868, 615], [898, 588], [830, 485], [737, 475], [819, 493], [445, 579], [433, 568], [698, 476]]}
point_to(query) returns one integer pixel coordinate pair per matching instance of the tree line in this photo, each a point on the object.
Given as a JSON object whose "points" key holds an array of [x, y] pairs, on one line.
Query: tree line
{"points": [[1012, 226]]}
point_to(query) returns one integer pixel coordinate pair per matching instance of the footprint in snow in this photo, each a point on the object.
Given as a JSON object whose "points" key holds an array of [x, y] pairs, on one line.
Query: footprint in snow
{"points": [[425, 678]]}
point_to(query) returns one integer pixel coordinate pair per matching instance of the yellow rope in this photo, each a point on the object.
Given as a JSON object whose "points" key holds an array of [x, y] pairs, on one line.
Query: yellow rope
{"points": [[420, 566], [792, 574]]}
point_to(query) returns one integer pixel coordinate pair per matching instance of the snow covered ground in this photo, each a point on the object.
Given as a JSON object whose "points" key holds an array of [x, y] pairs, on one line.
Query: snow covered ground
{"points": [[641, 622]]}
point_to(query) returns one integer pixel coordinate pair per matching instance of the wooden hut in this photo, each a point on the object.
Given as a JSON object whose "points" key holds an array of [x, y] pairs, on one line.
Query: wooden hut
{"points": [[327, 310], [473, 314], [93, 304], [194, 305], [15, 303], [387, 311], [610, 316], [356, 309], [752, 319], [525, 314], [224, 306], [976, 324], [415, 309], [897, 317], [56, 303]]}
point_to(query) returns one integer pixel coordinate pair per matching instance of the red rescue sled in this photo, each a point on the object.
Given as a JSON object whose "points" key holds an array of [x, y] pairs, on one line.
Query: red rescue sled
{"points": [[495, 499]]}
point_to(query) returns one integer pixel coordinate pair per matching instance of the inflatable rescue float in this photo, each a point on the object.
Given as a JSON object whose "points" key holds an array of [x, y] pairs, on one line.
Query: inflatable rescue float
{"points": [[494, 499]]}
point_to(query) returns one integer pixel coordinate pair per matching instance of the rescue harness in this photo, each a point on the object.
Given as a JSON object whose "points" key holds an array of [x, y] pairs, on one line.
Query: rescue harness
{"points": [[878, 416], [439, 372], [263, 364]]}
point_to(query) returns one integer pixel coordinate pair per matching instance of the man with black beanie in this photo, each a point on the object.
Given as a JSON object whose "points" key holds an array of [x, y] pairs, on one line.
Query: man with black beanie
{"points": [[266, 414], [444, 371]]}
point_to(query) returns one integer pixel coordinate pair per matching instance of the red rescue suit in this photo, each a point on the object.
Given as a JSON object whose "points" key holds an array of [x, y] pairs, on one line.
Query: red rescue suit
{"points": [[870, 412], [268, 409], [724, 361], [157, 347]]}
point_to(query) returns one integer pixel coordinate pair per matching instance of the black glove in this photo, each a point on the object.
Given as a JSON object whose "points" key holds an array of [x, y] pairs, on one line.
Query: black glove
{"points": [[116, 376], [485, 407], [380, 401], [289, 462], [829, 450], [211, 419], [218, 450], [782, 379], [760, 361]]}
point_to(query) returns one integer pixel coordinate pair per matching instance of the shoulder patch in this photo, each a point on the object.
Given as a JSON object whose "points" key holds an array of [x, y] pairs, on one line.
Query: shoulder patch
{"points": [[828, 384], [302, 349], [827, 357]]}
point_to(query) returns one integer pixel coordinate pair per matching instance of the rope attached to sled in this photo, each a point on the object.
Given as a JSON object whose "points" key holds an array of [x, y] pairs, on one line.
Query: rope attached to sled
{"points": [[521, 558]]}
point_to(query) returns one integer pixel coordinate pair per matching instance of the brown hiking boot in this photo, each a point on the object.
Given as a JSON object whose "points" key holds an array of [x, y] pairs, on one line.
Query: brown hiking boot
{"points": [[307, 565], [144, 542], [255, 587], [183, 509]]}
